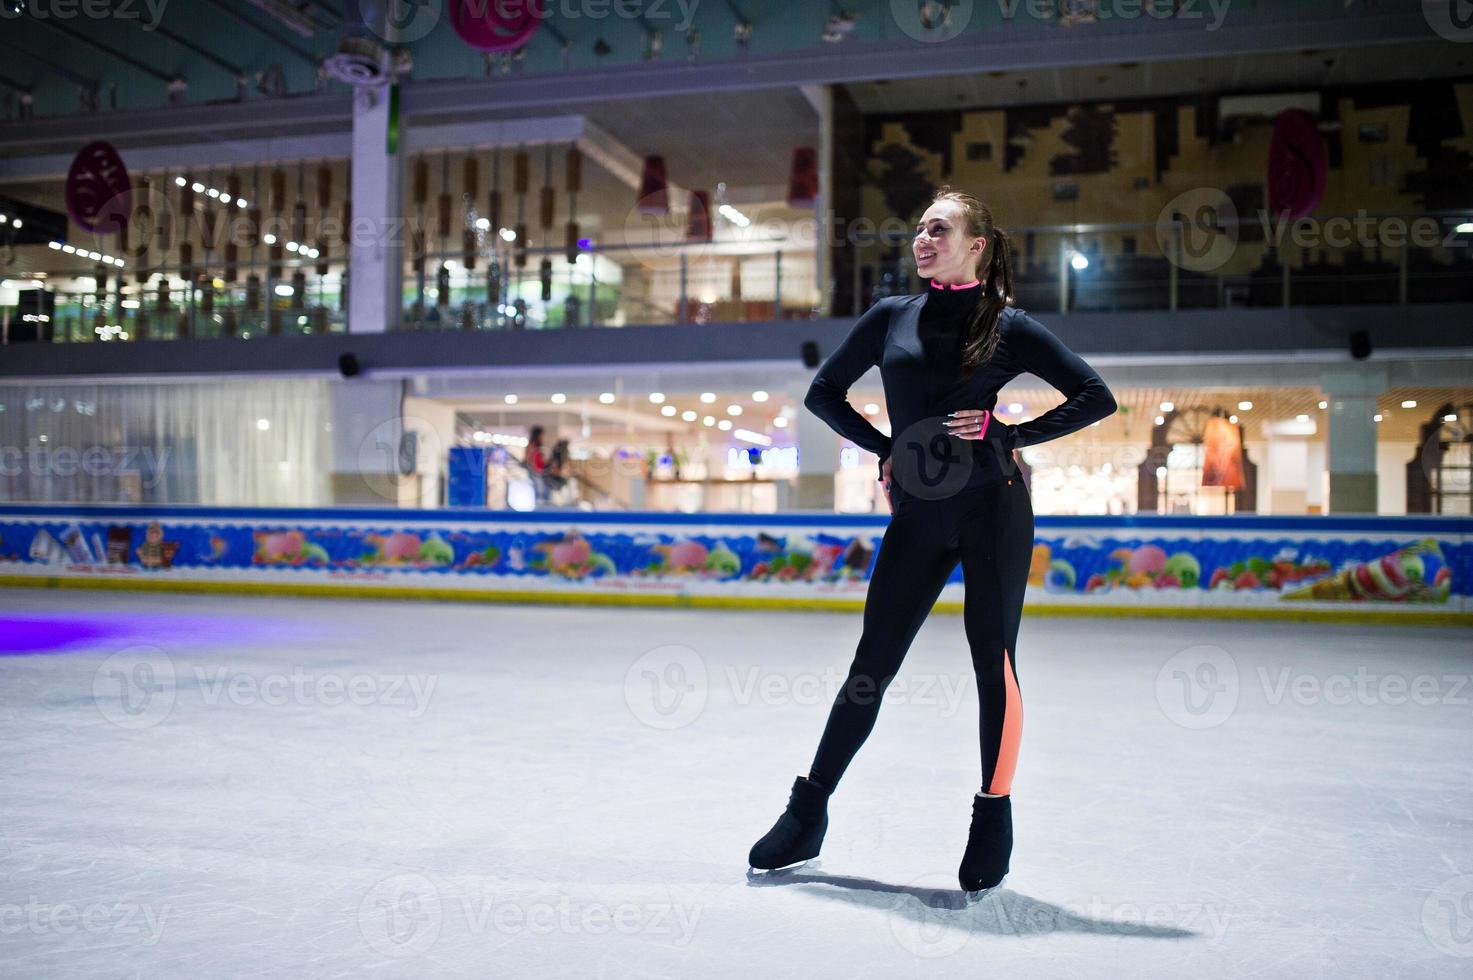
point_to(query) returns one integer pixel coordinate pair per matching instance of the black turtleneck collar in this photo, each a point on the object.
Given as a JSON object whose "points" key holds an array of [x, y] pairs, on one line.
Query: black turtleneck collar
{"points": [[941, 298]]}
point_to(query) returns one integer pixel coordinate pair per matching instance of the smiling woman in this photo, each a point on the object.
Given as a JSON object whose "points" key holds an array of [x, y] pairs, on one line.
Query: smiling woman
{"points": [[943, 357]]}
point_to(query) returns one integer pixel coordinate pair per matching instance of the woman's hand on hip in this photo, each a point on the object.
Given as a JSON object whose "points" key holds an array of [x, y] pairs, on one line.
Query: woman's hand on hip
{"points": [[969, 423]]}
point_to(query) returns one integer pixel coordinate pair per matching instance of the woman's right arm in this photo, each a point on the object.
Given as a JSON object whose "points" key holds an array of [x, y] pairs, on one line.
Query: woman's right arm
{"points": [[828, 395]]}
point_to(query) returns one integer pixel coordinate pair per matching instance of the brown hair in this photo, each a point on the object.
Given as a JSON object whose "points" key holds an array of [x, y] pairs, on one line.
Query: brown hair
{"points": [[994, 269]]}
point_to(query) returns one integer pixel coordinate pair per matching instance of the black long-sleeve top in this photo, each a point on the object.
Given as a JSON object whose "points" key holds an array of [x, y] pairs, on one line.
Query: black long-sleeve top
{"points": [[917, 342]]}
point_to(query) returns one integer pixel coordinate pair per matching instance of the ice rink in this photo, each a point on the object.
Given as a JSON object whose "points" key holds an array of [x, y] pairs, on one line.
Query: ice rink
{"points": [[204, 788]]}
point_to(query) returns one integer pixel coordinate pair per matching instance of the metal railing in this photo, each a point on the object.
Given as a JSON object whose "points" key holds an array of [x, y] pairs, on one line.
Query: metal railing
{"points": [[1373, 259]]}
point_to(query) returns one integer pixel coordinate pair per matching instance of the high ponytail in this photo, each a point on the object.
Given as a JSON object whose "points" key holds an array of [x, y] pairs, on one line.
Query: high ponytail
{"points": [[994, 269]]}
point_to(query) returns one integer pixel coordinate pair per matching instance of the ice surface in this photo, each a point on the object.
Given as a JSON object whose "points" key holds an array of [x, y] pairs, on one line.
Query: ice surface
{"points": [[211, 788]]}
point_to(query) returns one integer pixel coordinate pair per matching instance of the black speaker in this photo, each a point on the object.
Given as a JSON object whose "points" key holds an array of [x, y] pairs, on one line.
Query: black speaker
{"points": [[348, 364], [1360, 345], [408, 452], [810, 354]]}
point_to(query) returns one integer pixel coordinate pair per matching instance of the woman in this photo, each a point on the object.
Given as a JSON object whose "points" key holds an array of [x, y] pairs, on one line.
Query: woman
{"points": [[955, 494]]}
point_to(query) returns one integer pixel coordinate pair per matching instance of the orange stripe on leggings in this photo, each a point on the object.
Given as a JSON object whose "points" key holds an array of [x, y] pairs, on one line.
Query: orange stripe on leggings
{"points": [[1012, 732]]}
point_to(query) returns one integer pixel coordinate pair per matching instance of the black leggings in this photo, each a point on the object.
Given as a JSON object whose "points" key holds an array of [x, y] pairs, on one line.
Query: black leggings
{"points": [[990, 530]]}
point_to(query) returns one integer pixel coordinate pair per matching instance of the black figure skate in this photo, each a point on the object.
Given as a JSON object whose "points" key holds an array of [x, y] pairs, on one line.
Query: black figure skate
{"points": [[798, 833], [989, 845]]}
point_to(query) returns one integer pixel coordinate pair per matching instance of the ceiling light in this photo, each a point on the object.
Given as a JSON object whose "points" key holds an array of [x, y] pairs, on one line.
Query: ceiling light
{"points": [[708, 397], [657, 397], [759, 396], [607, 398], [558, 398], [1244, 406]]}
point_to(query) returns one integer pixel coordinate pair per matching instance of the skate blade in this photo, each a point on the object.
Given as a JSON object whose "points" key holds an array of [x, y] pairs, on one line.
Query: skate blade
{"points": [[977, 895], [762, 874]]}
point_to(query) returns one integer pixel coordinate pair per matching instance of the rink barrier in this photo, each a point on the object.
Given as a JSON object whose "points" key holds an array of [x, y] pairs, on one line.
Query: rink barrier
{"points": [[1353, 568]]}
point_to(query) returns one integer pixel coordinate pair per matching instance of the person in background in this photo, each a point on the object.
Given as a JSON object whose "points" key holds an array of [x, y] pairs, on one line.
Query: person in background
{"points": [[535, 460], [558, 463]]}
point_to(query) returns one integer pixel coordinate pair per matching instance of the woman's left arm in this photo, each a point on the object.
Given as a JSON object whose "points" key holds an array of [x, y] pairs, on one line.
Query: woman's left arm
{"points": [[1045, 355]]}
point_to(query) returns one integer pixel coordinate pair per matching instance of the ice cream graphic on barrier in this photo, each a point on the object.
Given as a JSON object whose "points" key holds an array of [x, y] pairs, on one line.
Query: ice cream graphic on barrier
{"points": [[1415, 573]]}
